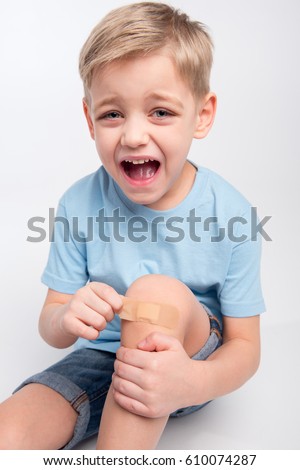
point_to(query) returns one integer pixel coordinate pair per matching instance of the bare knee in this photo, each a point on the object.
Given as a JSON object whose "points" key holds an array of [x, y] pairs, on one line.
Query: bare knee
{"points": [[193, 325], [163, 289]]}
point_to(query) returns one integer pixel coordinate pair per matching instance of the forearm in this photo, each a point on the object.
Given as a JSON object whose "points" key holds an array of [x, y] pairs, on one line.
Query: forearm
{"points": [[50, 326], [225, 370]]}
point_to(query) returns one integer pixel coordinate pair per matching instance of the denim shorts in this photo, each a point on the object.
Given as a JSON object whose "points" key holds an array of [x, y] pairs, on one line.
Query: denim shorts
{"points": [[84, 376]]}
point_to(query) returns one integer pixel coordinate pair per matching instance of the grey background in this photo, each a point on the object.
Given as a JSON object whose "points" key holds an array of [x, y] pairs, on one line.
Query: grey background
{"points": [[45, 147]]}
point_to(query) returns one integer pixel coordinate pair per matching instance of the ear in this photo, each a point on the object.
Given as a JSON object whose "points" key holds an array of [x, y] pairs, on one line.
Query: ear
{"points": [[206, 115], [86, 110]]}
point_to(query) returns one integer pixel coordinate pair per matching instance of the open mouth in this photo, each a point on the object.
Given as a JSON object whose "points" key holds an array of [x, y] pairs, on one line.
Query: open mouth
{"points": [[140, 169]]}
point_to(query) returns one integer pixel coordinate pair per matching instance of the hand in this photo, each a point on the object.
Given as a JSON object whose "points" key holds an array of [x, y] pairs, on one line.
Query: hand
{"points": [[89, 310], [154, 380]]}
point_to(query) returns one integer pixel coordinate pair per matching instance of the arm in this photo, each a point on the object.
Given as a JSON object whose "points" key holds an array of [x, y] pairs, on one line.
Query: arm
{"points": [[64, 318], [234, 362]]}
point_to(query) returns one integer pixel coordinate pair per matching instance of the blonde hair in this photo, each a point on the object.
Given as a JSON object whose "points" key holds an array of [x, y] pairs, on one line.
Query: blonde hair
{"points": [[142, 28]]}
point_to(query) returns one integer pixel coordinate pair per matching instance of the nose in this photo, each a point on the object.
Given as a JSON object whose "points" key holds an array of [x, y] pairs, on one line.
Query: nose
{"points": [[134, 132]]}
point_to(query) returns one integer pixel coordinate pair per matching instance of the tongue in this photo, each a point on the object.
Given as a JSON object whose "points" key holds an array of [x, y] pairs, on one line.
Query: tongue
{"points": [[141, 171]]}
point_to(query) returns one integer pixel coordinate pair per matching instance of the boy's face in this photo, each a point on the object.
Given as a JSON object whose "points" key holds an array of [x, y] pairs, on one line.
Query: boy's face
{"points": [[143, 118]]}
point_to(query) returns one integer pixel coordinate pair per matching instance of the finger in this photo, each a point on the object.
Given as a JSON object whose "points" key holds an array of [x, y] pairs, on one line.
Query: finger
{"points": [[127, 388], [107, 294], [91, 318], [134, 357], [87, 297], [159, 342], [128, 372], [102, 308], [80, 330], [78, 322], [129, 404]]}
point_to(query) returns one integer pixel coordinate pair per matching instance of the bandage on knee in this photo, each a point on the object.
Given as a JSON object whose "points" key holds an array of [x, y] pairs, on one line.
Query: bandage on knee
{"points": [[149, 312]]}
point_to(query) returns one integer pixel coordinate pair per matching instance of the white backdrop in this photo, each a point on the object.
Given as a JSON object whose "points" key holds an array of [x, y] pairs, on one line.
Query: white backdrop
{"points": [[45, 147]]}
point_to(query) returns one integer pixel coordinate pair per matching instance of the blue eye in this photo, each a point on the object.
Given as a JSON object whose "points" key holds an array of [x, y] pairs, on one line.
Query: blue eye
{"points": [[161, 113], [112, 115]]}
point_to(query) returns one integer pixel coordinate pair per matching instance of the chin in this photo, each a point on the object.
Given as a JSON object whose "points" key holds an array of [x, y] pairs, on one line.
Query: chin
{"points": [[143, 200]]}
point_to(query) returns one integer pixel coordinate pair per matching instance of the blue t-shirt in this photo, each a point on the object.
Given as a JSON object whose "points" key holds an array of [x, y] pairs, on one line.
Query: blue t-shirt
{"points": [[208, 242]]}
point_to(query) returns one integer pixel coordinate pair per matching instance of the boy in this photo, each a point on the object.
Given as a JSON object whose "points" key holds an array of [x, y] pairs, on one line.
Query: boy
{"points": [[153, 227]]}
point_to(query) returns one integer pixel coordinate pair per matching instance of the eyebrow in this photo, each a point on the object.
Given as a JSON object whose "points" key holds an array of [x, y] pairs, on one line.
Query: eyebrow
{"points": [[165, 97], [111, 99], [159, 96]]}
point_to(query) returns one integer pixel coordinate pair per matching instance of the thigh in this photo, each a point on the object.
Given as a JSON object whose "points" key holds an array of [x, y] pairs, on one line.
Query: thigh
{"points": [[82, 380], [36, 417]]}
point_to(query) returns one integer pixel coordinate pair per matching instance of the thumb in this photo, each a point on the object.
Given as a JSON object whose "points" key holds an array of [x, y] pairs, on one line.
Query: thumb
{"points": [[158, 342]]}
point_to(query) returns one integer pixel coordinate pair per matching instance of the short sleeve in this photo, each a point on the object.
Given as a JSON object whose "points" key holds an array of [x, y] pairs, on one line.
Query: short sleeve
{"points": [[66, 269], [241, 293]]}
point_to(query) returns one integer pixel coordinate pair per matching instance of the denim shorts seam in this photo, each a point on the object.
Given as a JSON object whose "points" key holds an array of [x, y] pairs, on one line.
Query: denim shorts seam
{"points": [[77, 398]]}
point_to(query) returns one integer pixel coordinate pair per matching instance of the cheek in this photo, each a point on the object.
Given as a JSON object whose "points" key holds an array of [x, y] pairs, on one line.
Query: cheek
{"points": [[178, 146], [104, 144]]}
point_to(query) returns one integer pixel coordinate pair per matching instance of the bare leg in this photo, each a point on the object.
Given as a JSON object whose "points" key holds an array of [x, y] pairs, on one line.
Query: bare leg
{"points": [[119, 428], [123, 430], [36, 417]]}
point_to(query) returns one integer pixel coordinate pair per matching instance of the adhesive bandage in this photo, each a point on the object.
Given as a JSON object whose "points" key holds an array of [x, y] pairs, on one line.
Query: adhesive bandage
{"points": [[149, 312]]}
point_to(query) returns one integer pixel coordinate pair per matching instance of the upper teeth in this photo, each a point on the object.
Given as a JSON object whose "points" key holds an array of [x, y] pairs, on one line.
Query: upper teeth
{"points": [[139, 162]]}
